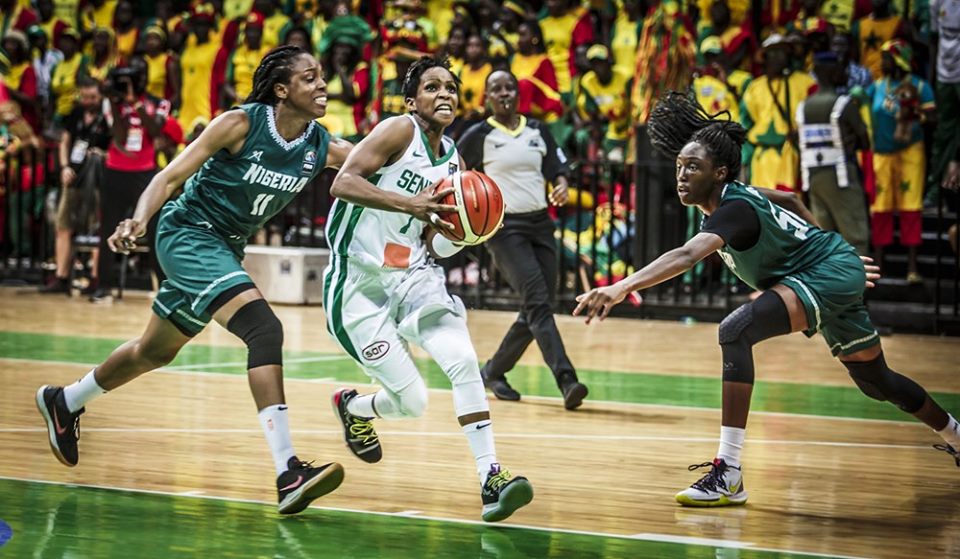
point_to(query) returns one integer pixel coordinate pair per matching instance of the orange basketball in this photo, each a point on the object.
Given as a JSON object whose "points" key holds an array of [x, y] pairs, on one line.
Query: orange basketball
{"points": [[479, 203]]}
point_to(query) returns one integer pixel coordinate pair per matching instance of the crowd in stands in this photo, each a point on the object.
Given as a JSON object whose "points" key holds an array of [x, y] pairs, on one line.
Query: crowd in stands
{"points": [[591, 69]]}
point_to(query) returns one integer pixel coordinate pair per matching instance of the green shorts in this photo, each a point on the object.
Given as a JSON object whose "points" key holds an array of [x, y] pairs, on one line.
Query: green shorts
{"points": [[200, 264], [832, 295]]}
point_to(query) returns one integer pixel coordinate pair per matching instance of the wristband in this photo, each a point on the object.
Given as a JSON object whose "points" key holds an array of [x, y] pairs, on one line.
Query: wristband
{"points": [[444, 247]]}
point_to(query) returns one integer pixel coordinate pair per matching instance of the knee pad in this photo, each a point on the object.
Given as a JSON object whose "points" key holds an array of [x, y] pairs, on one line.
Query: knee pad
{"points": [[261, 331], [412, 398], [749, 324], [876, 380]]}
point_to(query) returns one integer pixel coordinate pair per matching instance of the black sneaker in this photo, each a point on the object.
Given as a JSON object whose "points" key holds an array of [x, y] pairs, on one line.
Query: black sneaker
{"points": [[100, 295], [502, 494], [302, 483], [949, 450], [63, 427], [358, 431], [56, 285], [573, 392], [499, 386]]}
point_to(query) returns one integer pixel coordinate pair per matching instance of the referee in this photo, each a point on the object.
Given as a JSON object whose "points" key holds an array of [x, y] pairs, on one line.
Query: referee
{"points": [[520, 155]]}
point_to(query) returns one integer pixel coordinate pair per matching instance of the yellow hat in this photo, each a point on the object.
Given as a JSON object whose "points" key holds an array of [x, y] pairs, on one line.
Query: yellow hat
{"points": [[711, 44], [598, 52]]}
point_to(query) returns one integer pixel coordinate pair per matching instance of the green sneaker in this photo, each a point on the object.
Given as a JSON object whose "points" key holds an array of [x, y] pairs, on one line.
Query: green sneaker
{"points": [[502, 494]]}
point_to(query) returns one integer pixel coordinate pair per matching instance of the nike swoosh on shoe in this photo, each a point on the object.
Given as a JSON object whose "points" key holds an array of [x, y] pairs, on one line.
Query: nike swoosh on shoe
{"points": [[293, 485], [56, 423]]}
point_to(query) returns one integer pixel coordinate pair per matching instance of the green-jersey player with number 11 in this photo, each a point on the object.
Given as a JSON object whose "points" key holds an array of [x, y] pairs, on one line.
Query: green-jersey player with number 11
{"points": [[243, 169], [811, 281]]}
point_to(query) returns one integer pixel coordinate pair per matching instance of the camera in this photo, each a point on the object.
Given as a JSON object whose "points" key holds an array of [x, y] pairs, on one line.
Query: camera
{"points": [[120, 77]]}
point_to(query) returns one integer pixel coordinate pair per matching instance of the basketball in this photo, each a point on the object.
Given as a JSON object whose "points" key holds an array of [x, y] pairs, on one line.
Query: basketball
{"points": [[480, 206]]}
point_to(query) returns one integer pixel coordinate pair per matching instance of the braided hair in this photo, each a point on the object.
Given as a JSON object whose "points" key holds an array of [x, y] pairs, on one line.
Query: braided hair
{"points": [[678, 120], [276, 67], [411, 82]]}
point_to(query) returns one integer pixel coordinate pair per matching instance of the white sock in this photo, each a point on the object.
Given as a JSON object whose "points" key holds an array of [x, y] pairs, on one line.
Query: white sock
{"points": [[363, 406], [84, 390], [480, 437], [951, 433], [276, 427], [731, 443]]}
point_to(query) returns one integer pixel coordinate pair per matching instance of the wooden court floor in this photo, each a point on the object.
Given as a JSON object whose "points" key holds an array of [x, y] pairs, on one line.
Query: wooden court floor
{"points": [[174, 464]]}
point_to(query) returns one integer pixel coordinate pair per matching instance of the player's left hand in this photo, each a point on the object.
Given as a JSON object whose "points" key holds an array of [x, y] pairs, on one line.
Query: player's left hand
{"points": [[124, 239], [873, 271], [598, 301]]}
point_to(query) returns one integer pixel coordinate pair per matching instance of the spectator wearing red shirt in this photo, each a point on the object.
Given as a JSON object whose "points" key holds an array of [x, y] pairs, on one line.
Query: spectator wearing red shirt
{"points": [[136, 122]]}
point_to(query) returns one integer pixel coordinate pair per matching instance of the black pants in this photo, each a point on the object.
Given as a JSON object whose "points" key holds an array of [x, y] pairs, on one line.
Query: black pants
{"points": [[525, 252], [119, 192]]}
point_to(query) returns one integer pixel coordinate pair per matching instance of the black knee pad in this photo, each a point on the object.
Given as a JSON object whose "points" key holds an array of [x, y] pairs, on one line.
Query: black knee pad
{"points": [[749, 324], [879, 382], [261, 330]]}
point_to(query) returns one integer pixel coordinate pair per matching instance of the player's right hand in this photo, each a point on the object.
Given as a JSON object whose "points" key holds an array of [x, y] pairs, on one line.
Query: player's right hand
{"points": [[124, 239], [426, 206]]}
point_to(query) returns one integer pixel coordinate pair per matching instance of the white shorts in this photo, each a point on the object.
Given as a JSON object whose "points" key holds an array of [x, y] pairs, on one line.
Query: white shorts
{"points": [[372, 315]]}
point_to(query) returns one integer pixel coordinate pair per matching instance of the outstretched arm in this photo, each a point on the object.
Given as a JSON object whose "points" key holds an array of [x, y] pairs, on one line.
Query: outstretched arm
{"points": [[228, 130], [599, 301], [337, 152]]}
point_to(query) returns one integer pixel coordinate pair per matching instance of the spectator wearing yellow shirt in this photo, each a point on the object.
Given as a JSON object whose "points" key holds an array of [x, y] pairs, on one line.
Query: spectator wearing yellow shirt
{"points": [[536, 77], [63, 79], [163, 67], [98, 13], [871, 32], [504, 36], [348, 77], [473, 79], [712, 90], [768, 113], [197, 97], [564, 28], [718, 66], [243, 62], [128, 34], [455, 48], [275, 23], [626, 33], [103, 57], [603, 106]]}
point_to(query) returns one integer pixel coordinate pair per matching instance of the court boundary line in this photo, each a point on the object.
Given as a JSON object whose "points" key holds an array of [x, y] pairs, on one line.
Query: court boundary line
{"points": [[500, 435], [550, 399], [645, 536]]}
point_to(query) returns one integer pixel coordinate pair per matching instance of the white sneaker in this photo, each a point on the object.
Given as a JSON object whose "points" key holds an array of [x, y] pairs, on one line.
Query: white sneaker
{"points": [[721, 487]]}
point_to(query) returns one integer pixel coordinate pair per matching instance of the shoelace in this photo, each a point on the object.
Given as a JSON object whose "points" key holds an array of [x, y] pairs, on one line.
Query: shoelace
{"points": [[363, 430], [76, 427], [949, 450], [710, 481], [301, 465], [496, 482]]}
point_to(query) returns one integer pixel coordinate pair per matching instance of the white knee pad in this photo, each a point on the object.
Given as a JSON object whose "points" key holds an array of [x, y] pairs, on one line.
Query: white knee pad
{"points": [[470, 397], [412, 399]]}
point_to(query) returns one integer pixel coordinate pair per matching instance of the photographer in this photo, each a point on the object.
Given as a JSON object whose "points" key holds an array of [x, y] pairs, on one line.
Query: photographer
{"points": [[136, 121], [83, 142]]}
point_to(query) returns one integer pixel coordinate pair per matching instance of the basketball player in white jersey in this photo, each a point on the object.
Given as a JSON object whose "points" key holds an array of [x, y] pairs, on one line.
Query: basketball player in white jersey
{"points": [[383, 290]]}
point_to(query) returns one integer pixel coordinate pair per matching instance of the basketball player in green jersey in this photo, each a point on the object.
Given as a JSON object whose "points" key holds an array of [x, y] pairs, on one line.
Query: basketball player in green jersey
{"points": [[812, 281], [382, 290], [242, 170]]}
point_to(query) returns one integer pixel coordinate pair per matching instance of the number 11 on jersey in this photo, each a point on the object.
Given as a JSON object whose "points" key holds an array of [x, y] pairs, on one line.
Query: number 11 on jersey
{"points": [[260, 204]]}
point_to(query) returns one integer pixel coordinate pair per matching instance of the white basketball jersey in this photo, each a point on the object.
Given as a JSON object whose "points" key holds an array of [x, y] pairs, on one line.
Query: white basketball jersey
{"points": [[380, 239]]}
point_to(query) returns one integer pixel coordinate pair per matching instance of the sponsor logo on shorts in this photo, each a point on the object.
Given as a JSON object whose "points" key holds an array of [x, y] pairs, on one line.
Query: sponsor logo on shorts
{"points": [[376, 350]]}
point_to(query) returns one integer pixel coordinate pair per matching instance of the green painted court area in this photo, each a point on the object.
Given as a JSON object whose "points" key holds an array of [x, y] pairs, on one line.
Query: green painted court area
{"points": [[68, 521], [628, 387]]}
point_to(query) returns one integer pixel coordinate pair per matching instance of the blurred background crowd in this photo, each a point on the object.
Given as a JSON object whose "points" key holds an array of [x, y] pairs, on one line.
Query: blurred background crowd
{"points": [[855, 102]]}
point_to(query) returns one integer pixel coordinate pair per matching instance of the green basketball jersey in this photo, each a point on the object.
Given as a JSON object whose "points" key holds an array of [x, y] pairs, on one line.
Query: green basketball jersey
{"points": [[787, 244], [236, 194]]}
